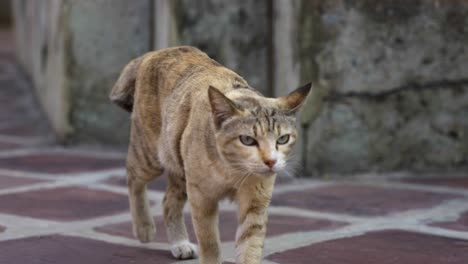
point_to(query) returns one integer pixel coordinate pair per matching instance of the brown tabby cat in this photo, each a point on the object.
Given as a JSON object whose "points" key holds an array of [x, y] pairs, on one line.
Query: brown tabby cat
{"points": [[214, 136]]}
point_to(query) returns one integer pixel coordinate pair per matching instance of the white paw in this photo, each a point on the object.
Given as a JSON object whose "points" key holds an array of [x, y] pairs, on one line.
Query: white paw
{"points": [[144, 233], [184, 250]]}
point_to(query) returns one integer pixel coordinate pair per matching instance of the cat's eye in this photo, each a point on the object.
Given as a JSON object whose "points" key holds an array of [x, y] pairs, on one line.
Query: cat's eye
{"points": [[283, 139], [248, 141]]}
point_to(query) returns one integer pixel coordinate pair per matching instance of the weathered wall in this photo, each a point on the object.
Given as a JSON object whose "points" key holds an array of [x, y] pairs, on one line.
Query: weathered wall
{"points": [[5, 13], [74, 50], [397, 94], [390, 77], [235, 33], [104, 36], [41, 28]]}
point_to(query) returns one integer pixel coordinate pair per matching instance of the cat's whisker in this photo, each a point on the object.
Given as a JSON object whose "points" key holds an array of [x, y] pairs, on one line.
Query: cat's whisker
{"points": [[242, 182], [241, 179]]}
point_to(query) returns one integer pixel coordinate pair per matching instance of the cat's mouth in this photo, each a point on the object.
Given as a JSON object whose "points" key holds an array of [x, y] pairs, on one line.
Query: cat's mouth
{"points": [[260, 170], [268, 171]]}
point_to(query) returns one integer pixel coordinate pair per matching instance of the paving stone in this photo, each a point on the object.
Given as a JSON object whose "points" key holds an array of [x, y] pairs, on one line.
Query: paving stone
{"points": [[461, 224], [73, 250], [284, 180], [8, 146], [383, 247], [360, 200], [159, 184], [29, 130], [446, 182], [277, 225], [64, 204], [6, 118], [9, 182], [50, 162], [10, 105], [7, 45]]}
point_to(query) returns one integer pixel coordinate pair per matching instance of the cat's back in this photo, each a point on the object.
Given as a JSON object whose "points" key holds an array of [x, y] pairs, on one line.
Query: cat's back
{"points": [[164, 90], [180, 78]]}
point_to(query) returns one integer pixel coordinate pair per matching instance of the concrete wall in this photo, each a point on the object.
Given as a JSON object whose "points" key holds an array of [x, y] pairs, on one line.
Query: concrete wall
{"points": [[389, 76], [236, 33], [74, 50], [104, 36], [41, 33], [5, 13], [397, 92]]}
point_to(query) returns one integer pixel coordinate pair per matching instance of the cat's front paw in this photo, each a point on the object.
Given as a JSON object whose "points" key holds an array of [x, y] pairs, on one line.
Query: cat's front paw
{"points": [[184, 250], [144, 233]]}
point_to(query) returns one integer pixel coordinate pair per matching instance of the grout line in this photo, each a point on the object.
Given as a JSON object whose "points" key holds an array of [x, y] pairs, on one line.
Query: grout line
{"points": [[156, 210], [25, 174], [152, 195], [446, 211], [266, 261], [84, 181], [34, 187], [299, 186], [292, 211], [74, 176], [437, 231], [295, 240], [415, 187], [95, 153], [23, 221], [22, 140], [190, 261], [91, 234], [57, 150], [26, 227]]}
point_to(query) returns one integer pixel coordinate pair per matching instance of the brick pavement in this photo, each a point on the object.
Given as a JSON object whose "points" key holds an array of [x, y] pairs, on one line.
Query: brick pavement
{"points": [[62, 205]]}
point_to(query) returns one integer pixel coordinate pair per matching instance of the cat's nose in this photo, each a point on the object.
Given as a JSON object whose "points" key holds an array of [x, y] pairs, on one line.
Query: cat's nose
{"points": [[270, 163]]}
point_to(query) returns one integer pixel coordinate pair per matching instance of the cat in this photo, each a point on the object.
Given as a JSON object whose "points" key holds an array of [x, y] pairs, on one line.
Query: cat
{"points": [[214, 136]]}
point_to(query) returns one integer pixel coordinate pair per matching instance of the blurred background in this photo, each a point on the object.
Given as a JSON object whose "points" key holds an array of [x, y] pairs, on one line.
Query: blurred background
{"points": [[383, 139], [390, 77]]}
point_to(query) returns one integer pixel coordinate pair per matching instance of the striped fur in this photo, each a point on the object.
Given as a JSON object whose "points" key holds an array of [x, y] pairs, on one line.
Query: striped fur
{"points": [[187, 116]]}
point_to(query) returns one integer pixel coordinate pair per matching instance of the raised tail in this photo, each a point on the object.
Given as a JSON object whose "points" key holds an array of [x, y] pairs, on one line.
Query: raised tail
{"points": [[124, 89]]}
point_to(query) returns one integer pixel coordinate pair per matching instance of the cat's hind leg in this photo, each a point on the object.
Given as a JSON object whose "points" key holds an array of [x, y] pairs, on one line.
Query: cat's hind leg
{"points": [[174, 202]]}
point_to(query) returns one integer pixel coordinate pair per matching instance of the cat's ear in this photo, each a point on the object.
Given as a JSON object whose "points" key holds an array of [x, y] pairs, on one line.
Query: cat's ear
{"points": [[292, 102], [221, 106]]}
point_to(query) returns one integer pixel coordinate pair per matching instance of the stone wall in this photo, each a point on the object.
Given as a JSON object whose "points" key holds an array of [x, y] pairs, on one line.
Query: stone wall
{"points": [[390, 86], [5, 13], [236, 33], [397, 84], [74, 50], [104, 36], [41, 32]]}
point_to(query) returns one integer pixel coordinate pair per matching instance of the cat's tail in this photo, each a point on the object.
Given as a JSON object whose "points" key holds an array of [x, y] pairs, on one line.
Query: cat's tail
{"points": [[124, 89]]}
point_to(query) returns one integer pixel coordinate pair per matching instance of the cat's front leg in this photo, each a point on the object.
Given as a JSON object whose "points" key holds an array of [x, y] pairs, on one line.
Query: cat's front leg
{"points": [[205, 222], [253, 200]]}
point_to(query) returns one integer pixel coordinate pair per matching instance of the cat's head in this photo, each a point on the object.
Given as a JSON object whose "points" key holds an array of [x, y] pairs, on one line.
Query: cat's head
{"points": [[255, 134]]}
